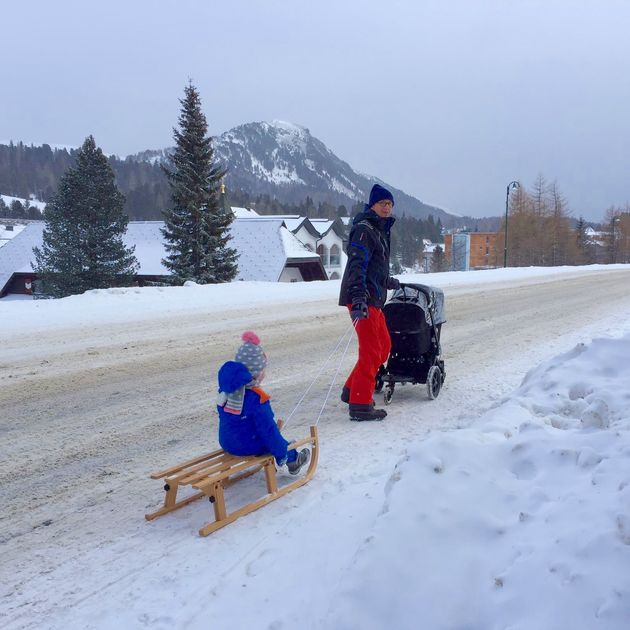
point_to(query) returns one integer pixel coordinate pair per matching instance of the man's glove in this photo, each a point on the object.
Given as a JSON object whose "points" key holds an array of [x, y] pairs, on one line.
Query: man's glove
{"points": [[393, 283], [359, 311]]}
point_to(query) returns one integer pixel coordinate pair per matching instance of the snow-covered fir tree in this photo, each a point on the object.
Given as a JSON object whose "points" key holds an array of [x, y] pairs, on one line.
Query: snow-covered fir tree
{"points": [[196, 229], [82, 246]]}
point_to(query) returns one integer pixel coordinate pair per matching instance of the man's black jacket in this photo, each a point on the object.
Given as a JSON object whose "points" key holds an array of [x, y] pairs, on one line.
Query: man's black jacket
{"points": [[367, 272]]}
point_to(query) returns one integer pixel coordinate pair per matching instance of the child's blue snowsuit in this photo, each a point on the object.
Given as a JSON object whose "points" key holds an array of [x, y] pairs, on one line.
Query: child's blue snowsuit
{"points": [[254, 431]]}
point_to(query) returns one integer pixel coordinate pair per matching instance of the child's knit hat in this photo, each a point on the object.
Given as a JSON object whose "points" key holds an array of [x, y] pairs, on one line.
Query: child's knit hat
{"points": [[251, 354]]}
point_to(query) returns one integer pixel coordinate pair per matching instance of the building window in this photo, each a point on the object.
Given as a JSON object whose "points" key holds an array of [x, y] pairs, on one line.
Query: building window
{"points": [[335, 256], [322, 250]]}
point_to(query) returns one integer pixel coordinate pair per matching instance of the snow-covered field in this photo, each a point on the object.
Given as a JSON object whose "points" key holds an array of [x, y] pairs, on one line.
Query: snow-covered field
{"points": [[504, 503]]}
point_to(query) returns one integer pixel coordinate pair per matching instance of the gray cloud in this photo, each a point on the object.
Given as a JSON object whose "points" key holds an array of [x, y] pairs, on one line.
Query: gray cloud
{"points": [[449, 100]]}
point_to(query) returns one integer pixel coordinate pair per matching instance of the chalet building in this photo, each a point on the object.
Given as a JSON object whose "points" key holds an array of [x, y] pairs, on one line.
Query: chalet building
{"points": [[330, 246], [10, 228], [268, 251], [323, 236], [471, 250]]}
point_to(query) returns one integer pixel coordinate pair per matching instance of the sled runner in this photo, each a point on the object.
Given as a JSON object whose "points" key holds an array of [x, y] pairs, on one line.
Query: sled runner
{"points": [[212, 473]]}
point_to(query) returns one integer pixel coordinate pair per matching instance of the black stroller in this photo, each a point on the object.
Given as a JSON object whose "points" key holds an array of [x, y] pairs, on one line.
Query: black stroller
{"points": [[414, 316]]}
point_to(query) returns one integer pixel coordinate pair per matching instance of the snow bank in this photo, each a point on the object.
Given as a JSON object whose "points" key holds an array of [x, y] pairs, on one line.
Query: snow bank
{"points": [[100, 306], [521, 521]]}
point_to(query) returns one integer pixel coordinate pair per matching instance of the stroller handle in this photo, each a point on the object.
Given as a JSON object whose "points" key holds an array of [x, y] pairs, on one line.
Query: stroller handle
{"points": [[418, 287]]}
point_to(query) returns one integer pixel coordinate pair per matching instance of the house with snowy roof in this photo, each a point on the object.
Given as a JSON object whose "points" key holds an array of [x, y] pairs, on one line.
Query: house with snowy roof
{"points": [[322, 236], [330, 246], [268, 251], [9, 230], [17, 258]]}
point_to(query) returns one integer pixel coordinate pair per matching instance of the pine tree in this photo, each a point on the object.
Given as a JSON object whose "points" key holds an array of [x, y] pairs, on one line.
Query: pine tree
{"points": [[83, 247], [34, 213], [438, 232], [584, 254], [17, 210], [439, 261], [196, 225], [357, 208]]}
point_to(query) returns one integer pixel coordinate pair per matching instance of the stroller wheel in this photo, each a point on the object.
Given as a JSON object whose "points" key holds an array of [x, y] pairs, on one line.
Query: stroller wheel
{"points": [[388, 392], [379, 382], [434, 382]]}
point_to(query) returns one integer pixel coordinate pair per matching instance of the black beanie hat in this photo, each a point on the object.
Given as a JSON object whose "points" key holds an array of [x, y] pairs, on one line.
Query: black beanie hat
{"points": [[378, 193]]}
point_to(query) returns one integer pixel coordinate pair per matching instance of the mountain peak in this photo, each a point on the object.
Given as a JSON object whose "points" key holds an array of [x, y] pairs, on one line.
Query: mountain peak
{"points": [[288, 126], [286, 135], [284, 160]]}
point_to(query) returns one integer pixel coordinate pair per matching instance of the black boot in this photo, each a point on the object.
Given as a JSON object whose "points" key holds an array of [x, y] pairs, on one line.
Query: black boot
{"points": [[345, 396], [360, 413]]}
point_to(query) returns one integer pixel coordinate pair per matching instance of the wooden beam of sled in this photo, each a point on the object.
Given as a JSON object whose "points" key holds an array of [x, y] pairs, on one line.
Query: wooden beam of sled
{"points": [[213, 472]]}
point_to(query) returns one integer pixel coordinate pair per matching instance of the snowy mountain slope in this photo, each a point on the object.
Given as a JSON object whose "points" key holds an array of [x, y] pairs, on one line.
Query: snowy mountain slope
{"points": [[284, 160], [276, 158], [116, 383], [8, 200]]}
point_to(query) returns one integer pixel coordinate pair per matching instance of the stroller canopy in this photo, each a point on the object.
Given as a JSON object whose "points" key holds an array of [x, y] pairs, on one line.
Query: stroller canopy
{"points": [[429, 299]]}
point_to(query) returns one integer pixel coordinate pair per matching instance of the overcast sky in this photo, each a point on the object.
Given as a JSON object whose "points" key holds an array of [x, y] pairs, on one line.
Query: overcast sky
{"points": [[449, 100]]}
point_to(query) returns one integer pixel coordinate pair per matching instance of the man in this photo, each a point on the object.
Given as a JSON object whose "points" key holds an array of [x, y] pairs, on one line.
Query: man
{"points": [[364, 291]]}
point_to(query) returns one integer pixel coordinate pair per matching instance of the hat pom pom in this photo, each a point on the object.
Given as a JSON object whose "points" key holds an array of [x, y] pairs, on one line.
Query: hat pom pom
{"points": [[250, 337]]}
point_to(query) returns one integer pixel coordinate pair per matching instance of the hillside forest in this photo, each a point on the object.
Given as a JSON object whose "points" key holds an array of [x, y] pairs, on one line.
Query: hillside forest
{"points": [[542, 230], [36, 170]]}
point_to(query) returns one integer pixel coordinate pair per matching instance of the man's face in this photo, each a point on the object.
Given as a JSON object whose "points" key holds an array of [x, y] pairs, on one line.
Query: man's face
{"points": [[383, 208]]}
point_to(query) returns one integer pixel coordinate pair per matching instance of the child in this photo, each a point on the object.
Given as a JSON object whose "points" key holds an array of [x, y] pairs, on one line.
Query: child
{"points": [[246, 422]]}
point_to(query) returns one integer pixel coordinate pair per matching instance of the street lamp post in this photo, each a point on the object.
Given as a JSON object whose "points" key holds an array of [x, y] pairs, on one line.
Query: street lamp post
{"points": [[513, 184], [613, 240]]}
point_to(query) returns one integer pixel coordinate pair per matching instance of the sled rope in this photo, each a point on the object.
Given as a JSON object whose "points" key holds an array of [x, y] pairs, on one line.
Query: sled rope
{"points": [[346, 333], [332, 384]]}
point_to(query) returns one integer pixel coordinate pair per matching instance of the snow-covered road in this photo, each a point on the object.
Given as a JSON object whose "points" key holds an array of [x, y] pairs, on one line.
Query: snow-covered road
{"points": [[90, 407]]}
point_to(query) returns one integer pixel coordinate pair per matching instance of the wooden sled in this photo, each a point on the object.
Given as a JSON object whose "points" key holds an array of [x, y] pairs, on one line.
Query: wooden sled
{"points": [[212, 473]]}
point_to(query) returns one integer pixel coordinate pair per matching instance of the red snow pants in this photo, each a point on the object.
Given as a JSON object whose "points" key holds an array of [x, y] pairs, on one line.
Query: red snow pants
{"points": [[374, 347]]}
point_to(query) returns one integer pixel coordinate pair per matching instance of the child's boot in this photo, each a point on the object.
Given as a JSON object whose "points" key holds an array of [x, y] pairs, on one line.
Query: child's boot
{"points": [[302, 457]]}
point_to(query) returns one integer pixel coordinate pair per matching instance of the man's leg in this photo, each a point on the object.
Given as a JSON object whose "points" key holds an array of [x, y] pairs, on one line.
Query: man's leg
{"points": [[361, 379]]}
